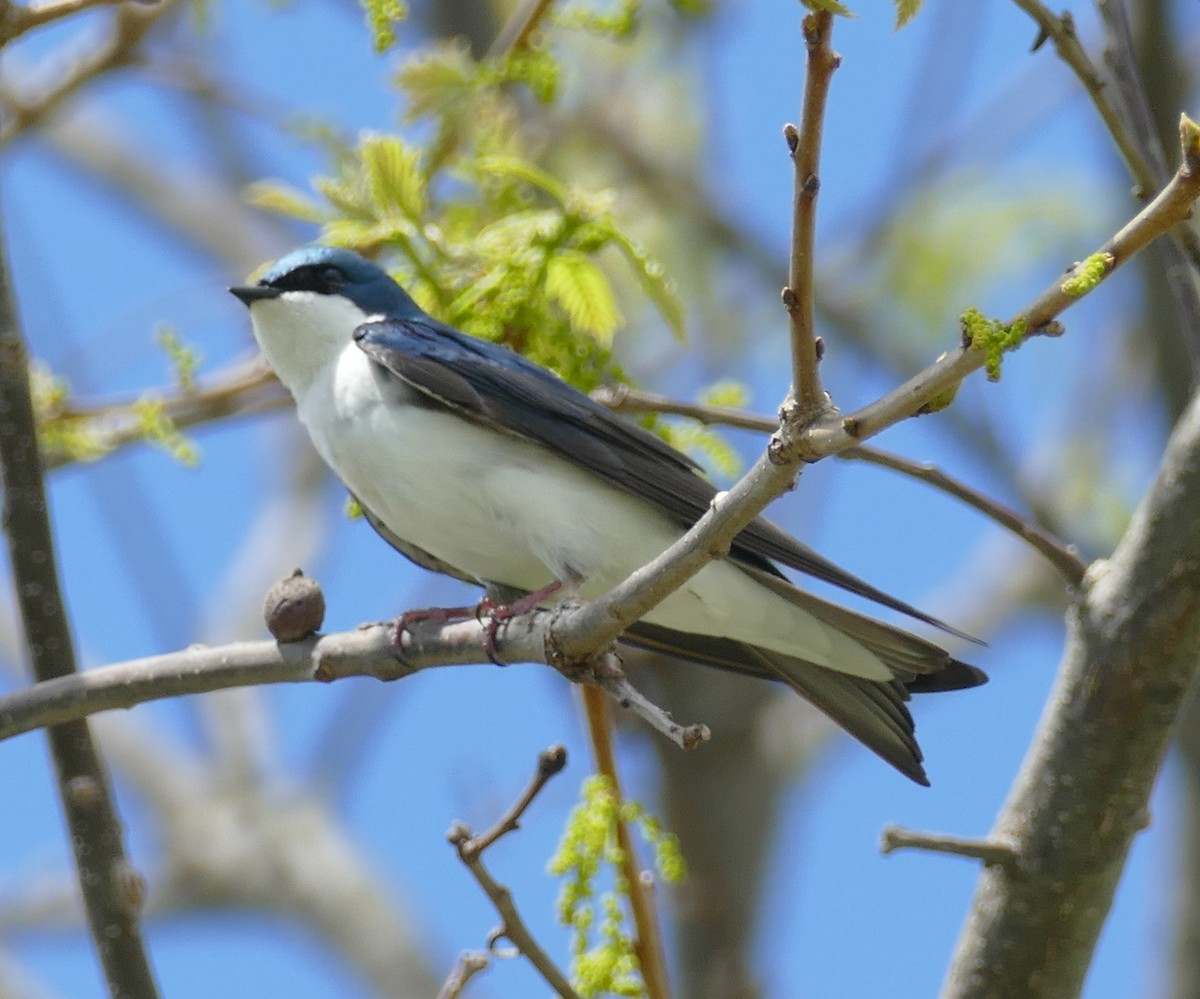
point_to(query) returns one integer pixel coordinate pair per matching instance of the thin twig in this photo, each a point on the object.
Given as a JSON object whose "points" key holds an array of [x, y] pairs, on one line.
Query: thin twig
{"points": [[647, 945], [1142, 162], [1062, 556], [517, 29], [112, 890], [989, 851], [1123, 67], [240, 390], [513, 927], [550, 762], [805, 149], [469, 964]]}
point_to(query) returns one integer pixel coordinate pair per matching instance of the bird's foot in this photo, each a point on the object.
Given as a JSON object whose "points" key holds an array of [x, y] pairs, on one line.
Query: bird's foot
{"points": [[499, 614], [409, 618]]}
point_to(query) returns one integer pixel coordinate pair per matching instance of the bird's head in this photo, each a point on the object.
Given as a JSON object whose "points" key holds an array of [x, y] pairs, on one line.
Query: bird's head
{"points": [[306, 306]]}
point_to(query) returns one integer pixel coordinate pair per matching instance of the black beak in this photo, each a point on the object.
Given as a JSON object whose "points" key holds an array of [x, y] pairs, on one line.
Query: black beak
{"points": [[251, 293]]}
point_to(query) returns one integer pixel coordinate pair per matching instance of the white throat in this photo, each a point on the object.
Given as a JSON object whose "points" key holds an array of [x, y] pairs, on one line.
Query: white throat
{"points": [[301, 332]]}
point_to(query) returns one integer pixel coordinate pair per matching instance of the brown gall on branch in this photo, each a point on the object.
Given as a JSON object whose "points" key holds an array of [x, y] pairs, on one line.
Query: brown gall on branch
{"points": [[990, 852], [470, 849], [366, 652]]}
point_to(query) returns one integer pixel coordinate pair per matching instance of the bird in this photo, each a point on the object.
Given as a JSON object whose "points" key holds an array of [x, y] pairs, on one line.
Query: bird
{"points": [[473, 461]]}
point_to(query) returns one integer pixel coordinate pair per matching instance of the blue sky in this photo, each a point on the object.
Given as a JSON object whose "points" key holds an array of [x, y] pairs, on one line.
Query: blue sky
{"points": [[94, 278]]}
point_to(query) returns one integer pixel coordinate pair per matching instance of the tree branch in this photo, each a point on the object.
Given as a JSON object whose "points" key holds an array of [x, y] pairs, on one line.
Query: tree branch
{"points": [[16, 20], [470, 850], [1082, 795], [367, 652], [1061, 555], [804, 145], [119, 49], [469, 964], [112, 889]]}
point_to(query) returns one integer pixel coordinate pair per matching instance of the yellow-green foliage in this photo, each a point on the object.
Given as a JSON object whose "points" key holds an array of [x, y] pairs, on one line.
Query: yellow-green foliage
{"points": [[588, 850], [63, 435], [480, 234], [158, 428], [382, 16], [706, 444], [993, 337], [185, 360], [1088, 274]]}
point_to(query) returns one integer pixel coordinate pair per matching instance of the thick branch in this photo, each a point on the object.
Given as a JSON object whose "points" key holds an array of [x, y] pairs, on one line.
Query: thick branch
{"points": [[1082, 795], [112, 890], [365, 652]]}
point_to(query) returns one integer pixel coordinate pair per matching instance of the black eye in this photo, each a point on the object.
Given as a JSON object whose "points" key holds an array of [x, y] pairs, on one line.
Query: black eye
{"points": [[324, 279], [333, 280]]}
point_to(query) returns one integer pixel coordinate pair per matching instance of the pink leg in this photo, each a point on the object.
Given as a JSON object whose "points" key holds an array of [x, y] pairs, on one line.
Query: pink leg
{"points": [[521, 605]]}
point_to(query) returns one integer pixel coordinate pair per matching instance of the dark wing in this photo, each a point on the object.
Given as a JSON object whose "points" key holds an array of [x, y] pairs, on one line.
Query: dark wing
{"points": [[495, 386]]}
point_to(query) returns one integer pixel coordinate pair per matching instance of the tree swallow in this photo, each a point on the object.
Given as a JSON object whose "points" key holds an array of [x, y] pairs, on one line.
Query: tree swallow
{"points": [[473, 461]]}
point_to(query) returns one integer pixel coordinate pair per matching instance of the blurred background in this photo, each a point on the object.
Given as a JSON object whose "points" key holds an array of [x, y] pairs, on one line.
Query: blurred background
{"points": [[294, 838]]}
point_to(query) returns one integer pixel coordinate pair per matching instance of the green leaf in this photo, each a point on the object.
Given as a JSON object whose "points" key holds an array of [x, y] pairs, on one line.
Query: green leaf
{"points": [[519, 169], [580, 287], [906, 10], [439, 80], [393, 175], [517, 231], [281, 199], [654, 283], [829, 6]]}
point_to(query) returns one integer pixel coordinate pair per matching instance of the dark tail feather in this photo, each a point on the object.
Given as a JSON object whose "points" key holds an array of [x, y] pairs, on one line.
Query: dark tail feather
{"points": [[872, 712]]}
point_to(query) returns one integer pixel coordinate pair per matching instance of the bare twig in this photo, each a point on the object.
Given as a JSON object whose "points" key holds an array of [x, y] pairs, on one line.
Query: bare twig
{"points": [[804, 145], [1144, 163], [239, 390], [648, 944], [469, 964], [1172, 205], [470, 850], [518, 28], [989, 851], [549, 762], [112, 889], [1062, 556]]}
